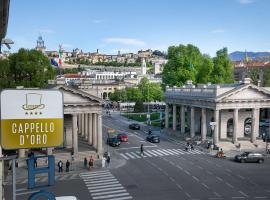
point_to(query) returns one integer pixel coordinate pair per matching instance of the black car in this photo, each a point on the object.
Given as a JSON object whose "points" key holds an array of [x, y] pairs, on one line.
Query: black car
{"points": [[134, 126], [153, 138], [113, 141], [249, 157]]}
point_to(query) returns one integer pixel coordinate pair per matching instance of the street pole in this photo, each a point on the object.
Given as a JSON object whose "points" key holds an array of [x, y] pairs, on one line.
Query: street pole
{"points": [[148, 104], [14, 178]]}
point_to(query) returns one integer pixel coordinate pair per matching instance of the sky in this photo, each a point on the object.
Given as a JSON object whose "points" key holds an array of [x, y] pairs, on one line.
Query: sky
{"points": [[132, 25]]}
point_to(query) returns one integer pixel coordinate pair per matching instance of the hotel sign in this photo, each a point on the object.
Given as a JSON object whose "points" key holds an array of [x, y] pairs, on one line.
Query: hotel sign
{"points": [[31, 118]]}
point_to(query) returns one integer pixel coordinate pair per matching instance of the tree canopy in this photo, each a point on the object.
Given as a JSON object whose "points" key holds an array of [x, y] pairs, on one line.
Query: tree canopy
{"points": [[28, 68], [188, 63]]}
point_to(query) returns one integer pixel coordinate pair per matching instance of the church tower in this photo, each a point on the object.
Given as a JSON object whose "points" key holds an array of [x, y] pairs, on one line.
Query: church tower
{"points": [[40, 44], [143, 66]]}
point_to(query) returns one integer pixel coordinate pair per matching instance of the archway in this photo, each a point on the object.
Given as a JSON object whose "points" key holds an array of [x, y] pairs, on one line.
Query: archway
{"points": [[104, 95], [247, 127], [230, 128]]}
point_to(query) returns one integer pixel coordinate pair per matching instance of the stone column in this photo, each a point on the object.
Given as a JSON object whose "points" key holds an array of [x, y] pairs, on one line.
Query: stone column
{"points": [[167, 116], [255, 124], [182, 118], [79, 124], [49, 151], [192, 125], [74, 134], [203, 125], [86, 128], [90, 129], [99, 134], [235, 125], [83, 130], [216, 131], [21, 153], [94, 130], [174, 117]]}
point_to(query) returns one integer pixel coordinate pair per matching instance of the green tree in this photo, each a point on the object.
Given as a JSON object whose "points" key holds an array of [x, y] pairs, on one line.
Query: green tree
{"points": [[253, 74], [266, 78], [5, 75], [139, 107], [222, 72], [28, 68], [134, 94], [205, 70]]}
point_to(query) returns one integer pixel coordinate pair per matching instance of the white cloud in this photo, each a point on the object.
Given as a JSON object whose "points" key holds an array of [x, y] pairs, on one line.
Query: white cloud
{"points": [[246, 1], [125, 41], [218, 31], [46, 31], [98, 21]]}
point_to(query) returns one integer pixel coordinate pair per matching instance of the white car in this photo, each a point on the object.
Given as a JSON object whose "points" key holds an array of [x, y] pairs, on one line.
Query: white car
{"points": [[67, 198]]}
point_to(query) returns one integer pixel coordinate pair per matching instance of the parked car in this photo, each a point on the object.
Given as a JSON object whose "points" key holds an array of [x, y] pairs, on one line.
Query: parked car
{"points": [[249, 157], [153, 138], [134, 126], [122, 137], [113, 141]]}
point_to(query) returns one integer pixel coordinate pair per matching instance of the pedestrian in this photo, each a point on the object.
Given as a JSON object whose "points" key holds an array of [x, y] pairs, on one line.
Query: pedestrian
{"points": [[103, 161], [91, 163], [108, 161], [191, 147], [268, 148], [35, 162], [208, 144], [60, 166], [85, 162], [142, 150], [67, 166], [149, 132]]}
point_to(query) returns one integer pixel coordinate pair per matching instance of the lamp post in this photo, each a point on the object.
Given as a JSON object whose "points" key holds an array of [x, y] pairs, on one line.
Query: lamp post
{"points": [[148, 115], [213, 125]]}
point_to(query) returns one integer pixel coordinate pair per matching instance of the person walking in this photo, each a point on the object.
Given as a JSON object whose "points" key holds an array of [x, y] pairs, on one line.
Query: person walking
{"points": [[85, 163], [108, 161], [142, 150], [91, 163], [103, 161], [67, 166], [268, 148], [60, 166]]}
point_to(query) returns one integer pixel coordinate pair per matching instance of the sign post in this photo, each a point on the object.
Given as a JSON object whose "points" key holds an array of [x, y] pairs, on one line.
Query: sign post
{"points": [[30, 119]]}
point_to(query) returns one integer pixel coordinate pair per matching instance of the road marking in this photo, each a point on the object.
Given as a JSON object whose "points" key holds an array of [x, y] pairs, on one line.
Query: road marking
{"points": [[267, 191], [130, 156], [152, 153], [161, 152], [188, 195], [205, 185], [148, 154], [219, 178], [134, 154], [244, 194], [122, 198], [106, 189], [97, 184], [178, 152], [195, 178], [166, 173], [238, 197], [160, 169], [113, 195], [186, 172], [209, 172], [179, 167], [199, 167], [29, 192], [124, 156], [172, 179], [228, 170], [108, 192], [170, 153], [241, 177], [101, 181], [217, 194], [179, 186], [105, 186], [229, 185], [172, 163], [157, 152], [260, 197]]}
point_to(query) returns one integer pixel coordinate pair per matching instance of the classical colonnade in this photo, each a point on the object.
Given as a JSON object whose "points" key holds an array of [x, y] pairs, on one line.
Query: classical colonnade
{"points": [[215, 116]]}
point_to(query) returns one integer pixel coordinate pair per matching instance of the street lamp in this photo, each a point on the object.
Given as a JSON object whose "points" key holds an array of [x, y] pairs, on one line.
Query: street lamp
{"points": [[148, 114], [213, 125]]}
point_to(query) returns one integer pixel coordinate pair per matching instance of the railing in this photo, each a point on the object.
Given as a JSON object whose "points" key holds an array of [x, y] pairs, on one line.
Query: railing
{"points": [[200, 92]]}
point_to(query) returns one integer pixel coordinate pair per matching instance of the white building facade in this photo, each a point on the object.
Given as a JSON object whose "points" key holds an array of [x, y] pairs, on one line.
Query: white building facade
{"points": [[234, 109]]}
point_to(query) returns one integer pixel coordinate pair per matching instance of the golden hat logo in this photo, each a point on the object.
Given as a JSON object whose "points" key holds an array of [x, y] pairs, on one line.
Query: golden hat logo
{"points": [[33, 101]]}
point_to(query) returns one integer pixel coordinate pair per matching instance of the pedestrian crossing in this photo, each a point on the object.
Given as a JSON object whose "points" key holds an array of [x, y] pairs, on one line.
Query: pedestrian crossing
{"points": [[158, 153], [104, 185]]}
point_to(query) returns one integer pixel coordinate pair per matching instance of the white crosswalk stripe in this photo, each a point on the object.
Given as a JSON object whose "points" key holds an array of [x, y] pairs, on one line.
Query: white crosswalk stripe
{"points": [[104, 185], [159, 152]]}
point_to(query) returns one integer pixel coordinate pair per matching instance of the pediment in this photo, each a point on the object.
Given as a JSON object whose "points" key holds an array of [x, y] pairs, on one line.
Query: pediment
{"points": [[250, 92], [74, 96]]}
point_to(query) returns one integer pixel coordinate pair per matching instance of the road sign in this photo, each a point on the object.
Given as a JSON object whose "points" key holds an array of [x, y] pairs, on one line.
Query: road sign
{"points": [[31, 118]]}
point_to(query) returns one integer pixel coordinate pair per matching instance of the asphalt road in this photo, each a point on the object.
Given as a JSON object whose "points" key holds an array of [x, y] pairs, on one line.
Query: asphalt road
{"points": [[168, 172], [165, 172]]}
